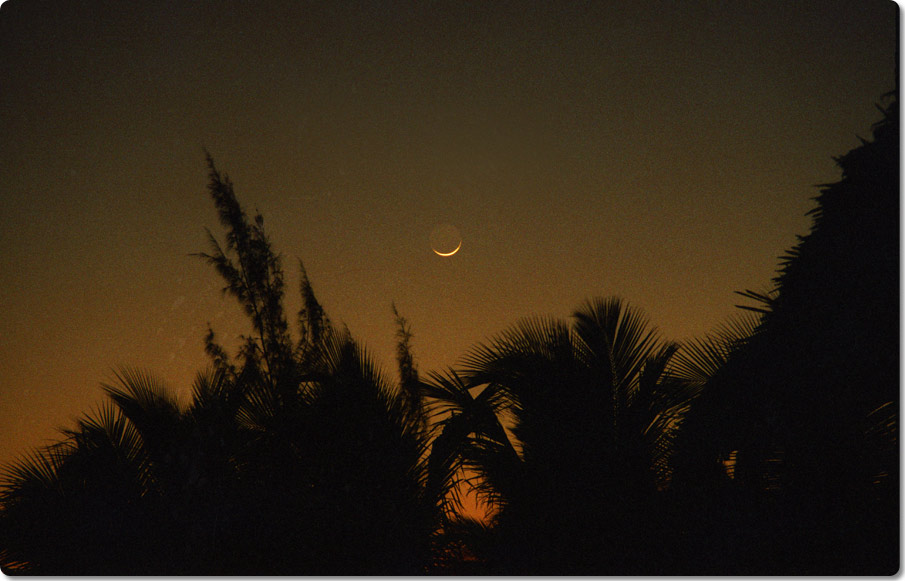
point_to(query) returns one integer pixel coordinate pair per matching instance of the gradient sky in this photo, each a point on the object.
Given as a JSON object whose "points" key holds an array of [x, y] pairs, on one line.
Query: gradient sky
{"points": [[665, 152]]}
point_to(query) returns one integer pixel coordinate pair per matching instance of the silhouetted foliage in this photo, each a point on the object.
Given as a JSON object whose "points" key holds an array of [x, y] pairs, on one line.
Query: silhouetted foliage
{"points": [[132, 490], [408, 372], [767, 447], [591, 404], [807, 406], [332, 467], [293, 457]]}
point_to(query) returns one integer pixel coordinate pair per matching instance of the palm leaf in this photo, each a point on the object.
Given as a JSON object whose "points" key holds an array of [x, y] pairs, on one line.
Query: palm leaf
{"points": [[139, 394], [699, 360], [618, 338]]}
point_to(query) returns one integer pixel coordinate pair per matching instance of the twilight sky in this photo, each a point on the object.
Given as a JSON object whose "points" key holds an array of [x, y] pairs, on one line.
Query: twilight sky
{"points": [[665, 152]]}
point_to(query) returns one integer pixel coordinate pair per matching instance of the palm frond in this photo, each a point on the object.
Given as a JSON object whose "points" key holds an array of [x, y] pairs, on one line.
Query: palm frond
{"points": [[499, 472], [618, 337], [107, 423], [139, 391], [647, 393], [35, 469], [214, 389], [522, 361], [445, 392], [766, 300], [148, 404], [697, 361], [446, 462]]}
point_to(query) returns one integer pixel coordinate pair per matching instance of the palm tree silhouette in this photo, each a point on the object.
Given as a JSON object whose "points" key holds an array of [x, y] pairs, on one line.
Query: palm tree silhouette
{"points": [[807, 405], [592, 411], [136, 488], [296, 456], [332, 466], [769, 446], [68, 509]]}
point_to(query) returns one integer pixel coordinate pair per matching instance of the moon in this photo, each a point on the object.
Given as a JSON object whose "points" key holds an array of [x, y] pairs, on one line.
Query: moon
{"points": [[448, 253], [445, 240]]}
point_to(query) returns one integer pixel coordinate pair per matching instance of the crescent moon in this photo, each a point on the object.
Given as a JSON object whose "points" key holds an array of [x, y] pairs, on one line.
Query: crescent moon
{"points": [[449, 253]]}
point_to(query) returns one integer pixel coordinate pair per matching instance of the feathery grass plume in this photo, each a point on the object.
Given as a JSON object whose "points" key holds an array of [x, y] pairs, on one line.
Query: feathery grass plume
{"points": [[314, 324], [253, 274], [408, 371], [322, 436]]}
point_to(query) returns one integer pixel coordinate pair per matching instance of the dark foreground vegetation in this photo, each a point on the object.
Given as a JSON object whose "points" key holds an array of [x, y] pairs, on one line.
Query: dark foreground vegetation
{"points": [[769, 447]]}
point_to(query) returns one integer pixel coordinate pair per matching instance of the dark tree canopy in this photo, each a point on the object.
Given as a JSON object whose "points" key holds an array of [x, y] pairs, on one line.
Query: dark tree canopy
{"points": [[807, 405], [599, 447]]}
